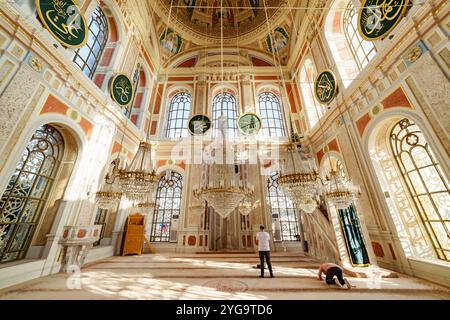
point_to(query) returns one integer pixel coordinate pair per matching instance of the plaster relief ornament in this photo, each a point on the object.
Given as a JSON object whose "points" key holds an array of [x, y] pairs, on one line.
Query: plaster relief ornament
{"points": [[280, 40], [377, 19], [325, 87], [171, 41], [199, 124], [121, 90], [64, 20]]}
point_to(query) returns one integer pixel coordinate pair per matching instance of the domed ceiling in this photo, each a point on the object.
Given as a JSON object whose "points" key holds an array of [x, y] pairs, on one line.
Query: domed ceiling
{"points": [[206, 20]]}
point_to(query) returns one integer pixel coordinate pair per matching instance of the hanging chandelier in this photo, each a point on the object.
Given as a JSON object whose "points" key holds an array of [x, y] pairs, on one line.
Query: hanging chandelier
{"points": [[109, 196], [224, 190], [340, 192], [298, 180], [222, 186], [139, 179]]}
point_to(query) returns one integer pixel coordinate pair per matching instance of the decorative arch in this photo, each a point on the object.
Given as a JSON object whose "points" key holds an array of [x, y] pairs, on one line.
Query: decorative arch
{"points": [[271, 111], [141, 79], [282, 209], [337, 164], [224, 102], [168, 206], [96, 58], [30, 201], [179, 99], [350, 52], [411, 199]]}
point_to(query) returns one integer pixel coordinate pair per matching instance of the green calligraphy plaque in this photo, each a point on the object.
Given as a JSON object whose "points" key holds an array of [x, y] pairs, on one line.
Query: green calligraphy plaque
{"points": [[64, 20], [121, 90], [199, 124], [249, 123], [377, 18], [325, 87]]}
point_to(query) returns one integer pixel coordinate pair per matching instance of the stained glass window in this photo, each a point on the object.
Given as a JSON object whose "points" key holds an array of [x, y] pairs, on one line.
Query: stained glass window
{"points": [[284, 209], [168, 205], [27, 192], [88, 57], [225, 104], [179, 111], [271, 115], [426, 182]]}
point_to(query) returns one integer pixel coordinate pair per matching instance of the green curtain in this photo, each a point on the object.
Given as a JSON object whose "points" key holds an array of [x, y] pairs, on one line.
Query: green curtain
{"points": [[353, 236]]}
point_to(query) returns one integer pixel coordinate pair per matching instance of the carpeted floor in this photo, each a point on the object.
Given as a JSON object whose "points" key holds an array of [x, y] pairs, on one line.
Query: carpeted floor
{"points": [[213, 276]]}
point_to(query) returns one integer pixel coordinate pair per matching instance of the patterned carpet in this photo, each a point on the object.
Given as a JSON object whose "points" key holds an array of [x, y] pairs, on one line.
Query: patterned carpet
{"points": [[213, 276]]}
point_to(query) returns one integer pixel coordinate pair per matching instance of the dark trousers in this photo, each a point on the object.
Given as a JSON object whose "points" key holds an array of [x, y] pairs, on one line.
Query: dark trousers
{"points": [[334, 271], [265, 254]]}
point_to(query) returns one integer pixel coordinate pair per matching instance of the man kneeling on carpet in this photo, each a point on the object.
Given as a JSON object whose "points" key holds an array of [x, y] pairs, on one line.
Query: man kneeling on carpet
{"points": [[333, 275]]}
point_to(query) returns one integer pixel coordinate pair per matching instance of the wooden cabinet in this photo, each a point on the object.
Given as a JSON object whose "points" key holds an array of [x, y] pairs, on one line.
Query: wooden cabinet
{"points": [[134, 235]]}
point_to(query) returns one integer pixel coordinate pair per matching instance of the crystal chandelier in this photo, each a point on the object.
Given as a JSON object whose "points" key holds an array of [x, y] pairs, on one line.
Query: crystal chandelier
{"points": [[246, 206], [108, 197], [139, 179], [298, 180], [222, 186], [341, 192]]}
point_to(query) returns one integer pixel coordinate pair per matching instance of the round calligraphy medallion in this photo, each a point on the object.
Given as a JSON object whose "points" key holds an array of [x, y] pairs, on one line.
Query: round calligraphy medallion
{"points": [[376, 19], [121, 90], [249, 123], [325, 87], [65, 22], [199, 124]]}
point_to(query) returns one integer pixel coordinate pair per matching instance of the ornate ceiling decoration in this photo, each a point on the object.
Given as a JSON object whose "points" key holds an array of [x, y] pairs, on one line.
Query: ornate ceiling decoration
{"points": [[202, 20]]}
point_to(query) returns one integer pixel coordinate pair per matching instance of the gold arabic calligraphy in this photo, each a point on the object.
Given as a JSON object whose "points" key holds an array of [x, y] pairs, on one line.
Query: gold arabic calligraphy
{"points": [[123, 89], [325, 88], [71, 16], [377, 14]]}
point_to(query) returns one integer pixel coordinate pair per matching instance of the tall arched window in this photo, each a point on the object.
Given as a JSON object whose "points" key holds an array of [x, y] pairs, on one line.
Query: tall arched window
{"points": [[168, 205], [363, 51], [225, 104], [88, 57], [26, 194], [179, 110], [271, 115], [425, 181], [284, 209], [350, 52], [314, 110]]}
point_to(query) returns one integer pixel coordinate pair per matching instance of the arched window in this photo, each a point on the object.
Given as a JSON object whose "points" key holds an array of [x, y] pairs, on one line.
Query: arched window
{"points": [[363, 51], [283, 209], [271, 115], [179, 110], [26, 194], [168, 205], [350, 52], [140, 85], [425, 181], [314, 110], [88, 57], [225, 104]]}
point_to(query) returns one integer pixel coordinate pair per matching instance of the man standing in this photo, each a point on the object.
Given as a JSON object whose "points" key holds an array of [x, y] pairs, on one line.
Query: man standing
{"points": [[333, 274], [262, 240]]}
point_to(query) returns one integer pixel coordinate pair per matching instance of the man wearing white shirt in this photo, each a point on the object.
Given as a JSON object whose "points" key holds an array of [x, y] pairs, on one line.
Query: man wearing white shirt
{"points": [[262, 240]]}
